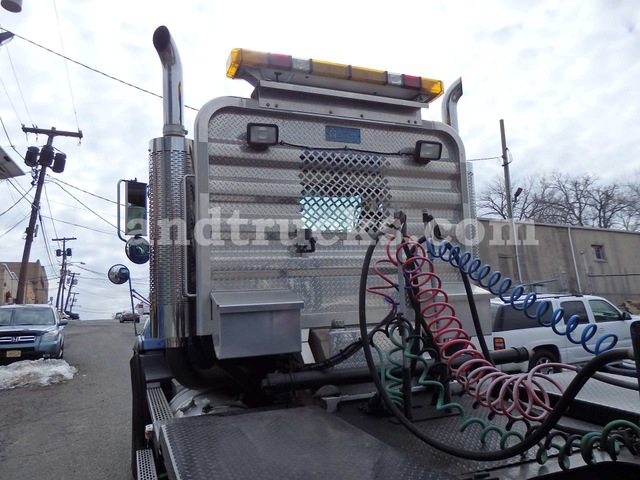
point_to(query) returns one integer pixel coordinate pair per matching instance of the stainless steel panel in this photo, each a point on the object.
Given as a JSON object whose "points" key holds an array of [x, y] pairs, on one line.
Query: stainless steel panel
{"points": [[254, 323], [259, 200], [170, 161], [256, 301]]}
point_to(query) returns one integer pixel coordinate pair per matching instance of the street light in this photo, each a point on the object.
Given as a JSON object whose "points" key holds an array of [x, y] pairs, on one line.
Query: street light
{"points": [[14, 6], [516, 195], [6, 36]]}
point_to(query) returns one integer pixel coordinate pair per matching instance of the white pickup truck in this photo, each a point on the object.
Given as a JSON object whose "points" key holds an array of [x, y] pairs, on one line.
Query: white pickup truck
{"points": [[513, 328]]}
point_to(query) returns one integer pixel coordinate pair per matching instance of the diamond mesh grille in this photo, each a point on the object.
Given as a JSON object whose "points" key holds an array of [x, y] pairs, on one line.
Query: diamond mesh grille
{"points": [[343, 191]]}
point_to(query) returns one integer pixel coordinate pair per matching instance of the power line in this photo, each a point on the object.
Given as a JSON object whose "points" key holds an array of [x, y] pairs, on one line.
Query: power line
{"points": [[106, 295], [15, 225], [83, 191], [19, 87], [66, 67], [102, 274], [82, 226], [17, 201], [17, 189], [46, 244], [93, 69], [76, 206], [85, 206], [90, 271], [55, 232], [10, 101], [46, 197], [8, 137]]}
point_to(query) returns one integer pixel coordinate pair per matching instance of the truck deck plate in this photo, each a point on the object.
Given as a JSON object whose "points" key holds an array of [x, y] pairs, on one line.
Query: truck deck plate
{"points": [[613, 402], [295, 443]]}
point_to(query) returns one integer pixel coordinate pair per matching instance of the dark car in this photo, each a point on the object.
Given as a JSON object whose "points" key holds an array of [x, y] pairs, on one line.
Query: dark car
{"points": [[130, 317], [72, 315], [30, 332]]}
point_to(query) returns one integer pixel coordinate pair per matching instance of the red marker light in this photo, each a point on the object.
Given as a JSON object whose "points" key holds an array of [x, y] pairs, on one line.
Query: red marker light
{"points": [[277, 60]]}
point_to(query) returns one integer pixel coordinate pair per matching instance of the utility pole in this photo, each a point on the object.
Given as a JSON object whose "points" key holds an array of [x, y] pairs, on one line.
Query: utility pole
{"points": [[73, 300], [71, 284], [46, 159], [63, 270], [507, 192]]}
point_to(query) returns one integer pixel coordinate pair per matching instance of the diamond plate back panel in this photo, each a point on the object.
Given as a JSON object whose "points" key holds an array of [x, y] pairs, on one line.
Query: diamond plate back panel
{"points": [[260, 201]]}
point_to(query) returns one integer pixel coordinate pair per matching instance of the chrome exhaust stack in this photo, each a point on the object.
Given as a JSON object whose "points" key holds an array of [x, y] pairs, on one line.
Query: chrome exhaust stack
{"points": [[173, 104], [450, 104], [170, 164]]}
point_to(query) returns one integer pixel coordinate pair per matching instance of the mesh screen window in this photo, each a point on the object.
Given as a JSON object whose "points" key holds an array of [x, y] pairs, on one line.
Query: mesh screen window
{"points": [[343, 191]]}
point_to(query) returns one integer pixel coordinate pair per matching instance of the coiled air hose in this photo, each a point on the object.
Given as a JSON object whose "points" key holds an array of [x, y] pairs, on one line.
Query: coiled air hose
{"points": [[533, 437], [499, 286]]}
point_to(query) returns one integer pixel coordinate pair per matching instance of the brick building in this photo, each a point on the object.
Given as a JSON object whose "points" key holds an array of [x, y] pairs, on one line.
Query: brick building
{"points": [[36, 288]]}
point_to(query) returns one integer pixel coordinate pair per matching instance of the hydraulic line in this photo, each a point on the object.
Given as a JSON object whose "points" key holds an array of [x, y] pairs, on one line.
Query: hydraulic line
{"points": [[475, 317], [317, 377], [625, 372], [345, 353]]}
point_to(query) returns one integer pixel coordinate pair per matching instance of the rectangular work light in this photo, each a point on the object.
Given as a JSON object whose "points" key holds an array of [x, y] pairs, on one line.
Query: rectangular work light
{"points": [[426, 151], [261, 135]]}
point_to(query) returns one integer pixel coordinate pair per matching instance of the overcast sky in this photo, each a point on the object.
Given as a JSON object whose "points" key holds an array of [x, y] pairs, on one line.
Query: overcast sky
{"points": [[562, 75]]}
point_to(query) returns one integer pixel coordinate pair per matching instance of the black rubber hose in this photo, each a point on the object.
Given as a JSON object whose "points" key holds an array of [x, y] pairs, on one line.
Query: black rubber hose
{"points": [[634, 329], [623, 372], [316, 378], [538, 434], [617, 382], [476, 318], [188, 375], [345, 353]]}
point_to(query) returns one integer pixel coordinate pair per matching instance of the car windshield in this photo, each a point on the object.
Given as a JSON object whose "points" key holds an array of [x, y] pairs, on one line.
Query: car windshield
{"points": [[26, 316], [5, 318]]}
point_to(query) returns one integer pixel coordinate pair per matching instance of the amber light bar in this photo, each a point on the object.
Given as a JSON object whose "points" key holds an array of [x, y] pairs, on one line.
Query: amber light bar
{"points": [[255, 66]]}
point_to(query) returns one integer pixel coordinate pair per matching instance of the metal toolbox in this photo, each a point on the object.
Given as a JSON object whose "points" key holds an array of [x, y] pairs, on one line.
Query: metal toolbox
{"points": [[255, 323]]}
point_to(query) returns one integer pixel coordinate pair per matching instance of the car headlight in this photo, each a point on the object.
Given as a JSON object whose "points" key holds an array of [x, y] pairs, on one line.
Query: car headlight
{"points": [[50, 336]]}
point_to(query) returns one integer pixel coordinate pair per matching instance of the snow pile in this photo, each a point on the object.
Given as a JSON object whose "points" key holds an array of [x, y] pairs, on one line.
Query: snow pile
{"points": [[35, 372]]}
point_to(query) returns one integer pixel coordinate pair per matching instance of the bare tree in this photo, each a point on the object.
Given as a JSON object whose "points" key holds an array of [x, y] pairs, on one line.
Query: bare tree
{"points": [[492, 201], [630, 214], [607, 203], [559, 198]]}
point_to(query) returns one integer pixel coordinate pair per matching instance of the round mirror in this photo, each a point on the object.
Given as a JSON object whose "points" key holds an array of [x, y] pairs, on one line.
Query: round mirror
{"points": [[137, 250], [118, 274]]}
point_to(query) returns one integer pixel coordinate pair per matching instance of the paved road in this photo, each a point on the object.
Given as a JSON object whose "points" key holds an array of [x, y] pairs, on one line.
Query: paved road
{"points": [[79, 429]]}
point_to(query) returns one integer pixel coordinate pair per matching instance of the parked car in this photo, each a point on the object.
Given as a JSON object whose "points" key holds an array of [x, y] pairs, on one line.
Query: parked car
{"points": [[130, 317], [30, 332], [72, 315], [513, 328]]}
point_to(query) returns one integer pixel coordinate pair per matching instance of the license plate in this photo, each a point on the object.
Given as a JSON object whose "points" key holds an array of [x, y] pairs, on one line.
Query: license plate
{"points": [[14, 353]]}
